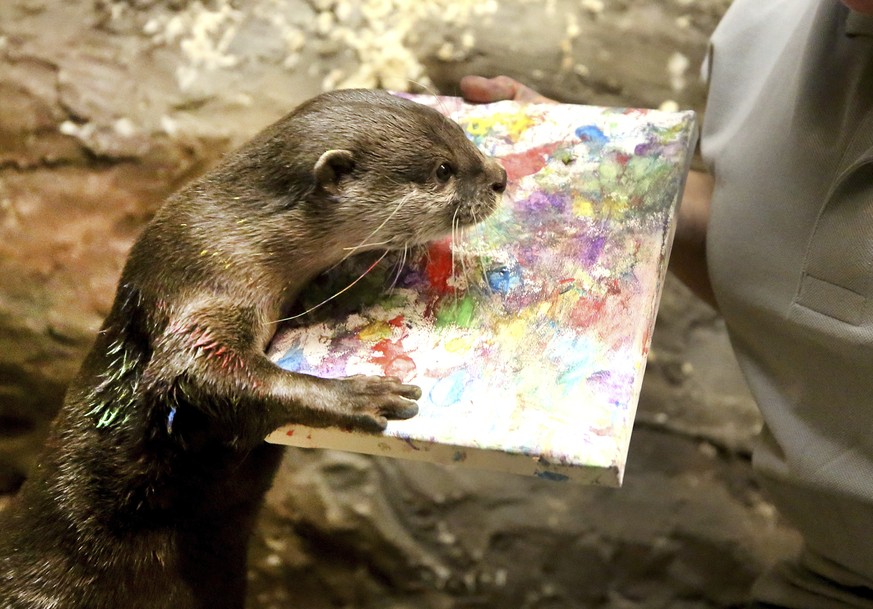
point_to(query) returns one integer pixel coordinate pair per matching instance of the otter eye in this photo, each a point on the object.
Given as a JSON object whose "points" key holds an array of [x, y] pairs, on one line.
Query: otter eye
{"points": [[444, 172]]}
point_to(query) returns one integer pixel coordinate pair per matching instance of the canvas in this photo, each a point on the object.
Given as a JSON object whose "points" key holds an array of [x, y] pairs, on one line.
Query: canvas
{"points": [[528, 333]]}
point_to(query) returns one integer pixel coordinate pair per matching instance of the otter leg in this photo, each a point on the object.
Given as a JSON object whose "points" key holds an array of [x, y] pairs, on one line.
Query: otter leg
{"points": [[216, 369]]}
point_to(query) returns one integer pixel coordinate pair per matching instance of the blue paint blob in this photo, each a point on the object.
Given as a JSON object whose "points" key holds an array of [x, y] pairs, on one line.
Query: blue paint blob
{"points": [[447, 391], [552, 476], [574, 351], [503, 279], [574, 374], [591, 134], [293, 360], [170, 418]]}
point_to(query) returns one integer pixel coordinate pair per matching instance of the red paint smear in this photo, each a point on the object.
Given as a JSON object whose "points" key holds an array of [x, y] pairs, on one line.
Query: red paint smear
{"points": [[528, 162], [393, 360], [645, 349], [439, 266], [587, 312], [289, 433], [397, 322], [564, 286]]}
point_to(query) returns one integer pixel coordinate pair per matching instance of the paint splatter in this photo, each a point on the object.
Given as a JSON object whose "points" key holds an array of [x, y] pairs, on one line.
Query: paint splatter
{"points": [[456, 312], [448, 391], [552, 476], [392, 359], [527, 334], [529, 162], [592, 135], [504, 279]]}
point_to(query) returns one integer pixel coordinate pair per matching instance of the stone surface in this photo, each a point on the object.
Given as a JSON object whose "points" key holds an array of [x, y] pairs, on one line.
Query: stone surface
{"points": [[343, 530], [107, 106]]}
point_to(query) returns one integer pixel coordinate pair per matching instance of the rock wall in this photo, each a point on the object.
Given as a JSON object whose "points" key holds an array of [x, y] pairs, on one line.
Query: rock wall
{"points": [[108, 106]]}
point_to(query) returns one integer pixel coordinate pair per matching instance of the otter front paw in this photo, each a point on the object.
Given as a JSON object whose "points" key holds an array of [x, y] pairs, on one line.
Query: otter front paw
{"points": [[367, 402]]}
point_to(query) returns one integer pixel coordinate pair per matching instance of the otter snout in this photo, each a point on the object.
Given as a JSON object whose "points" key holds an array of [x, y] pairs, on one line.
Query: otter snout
{"points": [[498, 177], [477, 203]]}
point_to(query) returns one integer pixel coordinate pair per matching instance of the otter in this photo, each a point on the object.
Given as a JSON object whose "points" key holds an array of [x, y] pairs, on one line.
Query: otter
{"points": [[156, 466]]}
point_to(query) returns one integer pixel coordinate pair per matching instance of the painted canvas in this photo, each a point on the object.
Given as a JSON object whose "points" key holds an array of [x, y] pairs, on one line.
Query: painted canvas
{"points": [[528, 333]]}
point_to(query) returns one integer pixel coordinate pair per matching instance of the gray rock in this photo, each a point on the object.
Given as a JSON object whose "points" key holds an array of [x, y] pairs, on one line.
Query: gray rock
{"points": [[109, 106]]}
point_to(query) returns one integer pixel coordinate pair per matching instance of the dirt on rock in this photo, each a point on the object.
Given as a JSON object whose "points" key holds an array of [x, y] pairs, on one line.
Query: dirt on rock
{"points": [[108, 106]]}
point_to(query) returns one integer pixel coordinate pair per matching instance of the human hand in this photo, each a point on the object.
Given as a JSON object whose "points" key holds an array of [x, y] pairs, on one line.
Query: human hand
{"points": [[479, 89]]}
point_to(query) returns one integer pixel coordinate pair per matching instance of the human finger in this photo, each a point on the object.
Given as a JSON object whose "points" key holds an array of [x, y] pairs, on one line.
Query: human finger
{"points": [[479, 89]]}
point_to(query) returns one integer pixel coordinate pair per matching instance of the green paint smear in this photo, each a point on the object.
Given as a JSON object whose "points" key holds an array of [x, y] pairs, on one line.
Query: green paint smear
{"points": [[393, 301], [565, 155], [641, 183], [460, 313]]}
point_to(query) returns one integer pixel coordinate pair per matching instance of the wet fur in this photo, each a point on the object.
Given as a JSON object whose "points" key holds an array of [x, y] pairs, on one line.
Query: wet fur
{"points": [[147, 492]]}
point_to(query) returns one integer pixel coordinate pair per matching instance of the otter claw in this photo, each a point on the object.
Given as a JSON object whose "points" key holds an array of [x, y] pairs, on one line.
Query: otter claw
{"points": [[369, 402]]}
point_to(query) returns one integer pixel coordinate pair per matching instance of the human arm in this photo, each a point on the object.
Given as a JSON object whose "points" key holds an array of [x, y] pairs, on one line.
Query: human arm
{"points": [[688, 258]]}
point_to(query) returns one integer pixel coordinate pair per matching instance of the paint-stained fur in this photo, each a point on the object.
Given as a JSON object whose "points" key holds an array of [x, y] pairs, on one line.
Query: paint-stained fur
{"points": [[146, 494]]}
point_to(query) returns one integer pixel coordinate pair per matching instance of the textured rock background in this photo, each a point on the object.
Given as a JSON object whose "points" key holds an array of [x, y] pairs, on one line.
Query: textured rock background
{"points": [[106, 107]]}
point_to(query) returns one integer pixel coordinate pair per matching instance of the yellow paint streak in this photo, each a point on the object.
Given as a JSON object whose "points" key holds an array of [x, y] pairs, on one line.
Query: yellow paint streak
{"points": [[583, 208], [512, 123], [374, 332], [460, 344], [514, 331]]}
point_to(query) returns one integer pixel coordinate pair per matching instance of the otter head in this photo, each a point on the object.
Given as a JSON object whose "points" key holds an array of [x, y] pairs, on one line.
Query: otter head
{"points": [[394, 173]]}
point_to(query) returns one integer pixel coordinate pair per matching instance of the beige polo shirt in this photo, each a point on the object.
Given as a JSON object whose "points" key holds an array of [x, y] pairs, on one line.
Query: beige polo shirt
{"points": [[788, 135]]}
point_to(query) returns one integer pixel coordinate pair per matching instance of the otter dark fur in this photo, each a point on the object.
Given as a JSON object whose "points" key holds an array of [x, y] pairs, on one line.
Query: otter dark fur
{"points": [[147, 492]]}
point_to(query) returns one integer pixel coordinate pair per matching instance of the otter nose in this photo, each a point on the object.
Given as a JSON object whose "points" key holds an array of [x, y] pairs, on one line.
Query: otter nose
{"points": [[499, 185]]}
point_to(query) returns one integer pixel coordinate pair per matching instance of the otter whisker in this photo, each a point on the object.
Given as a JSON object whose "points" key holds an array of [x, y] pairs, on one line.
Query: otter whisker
{"points": [[401, 263], [455, 230], [432, 91], [486, 285], [454, 240], [457, 238], [327, 300], [364, 243], [421, 85], [371, 244], [480, 256], [463, 258]]}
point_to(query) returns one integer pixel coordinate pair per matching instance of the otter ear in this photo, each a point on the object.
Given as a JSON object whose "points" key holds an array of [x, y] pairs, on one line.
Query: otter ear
{"points": [[331, 167]]}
